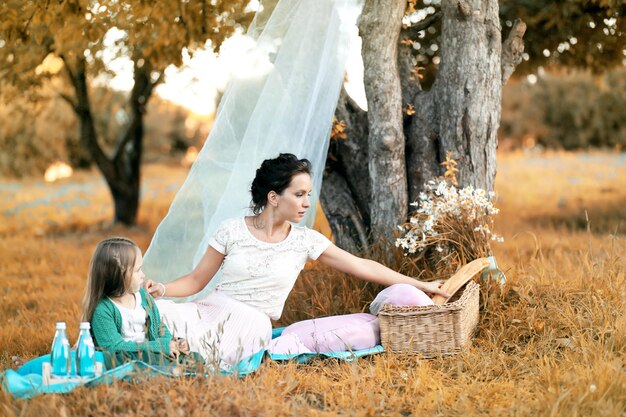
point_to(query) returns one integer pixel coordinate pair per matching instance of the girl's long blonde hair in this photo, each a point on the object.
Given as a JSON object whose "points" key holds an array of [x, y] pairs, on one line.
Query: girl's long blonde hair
{"points": [[110, 272]]}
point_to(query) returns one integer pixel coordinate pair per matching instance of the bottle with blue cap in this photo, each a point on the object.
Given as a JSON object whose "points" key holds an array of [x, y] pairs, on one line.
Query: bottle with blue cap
{"points": [[86, 352], [60, 359]]}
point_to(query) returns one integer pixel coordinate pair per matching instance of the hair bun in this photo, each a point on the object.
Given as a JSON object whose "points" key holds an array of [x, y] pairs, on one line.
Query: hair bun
{"points": [[275, 175]]}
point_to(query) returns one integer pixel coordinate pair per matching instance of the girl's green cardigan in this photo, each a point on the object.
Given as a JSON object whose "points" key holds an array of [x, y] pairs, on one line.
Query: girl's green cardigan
{"points": [[106, 328]]}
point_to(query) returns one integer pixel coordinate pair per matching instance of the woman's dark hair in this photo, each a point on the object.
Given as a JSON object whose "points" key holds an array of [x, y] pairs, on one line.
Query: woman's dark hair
{"points": [[275, 175]]}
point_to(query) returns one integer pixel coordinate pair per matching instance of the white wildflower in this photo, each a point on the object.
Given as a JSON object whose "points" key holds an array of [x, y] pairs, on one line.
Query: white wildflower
{"points": [[441, 206], [441, 188]]}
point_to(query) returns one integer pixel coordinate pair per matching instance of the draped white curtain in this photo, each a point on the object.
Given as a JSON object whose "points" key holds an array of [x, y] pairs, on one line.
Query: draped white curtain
{"points": [[282, 100]]}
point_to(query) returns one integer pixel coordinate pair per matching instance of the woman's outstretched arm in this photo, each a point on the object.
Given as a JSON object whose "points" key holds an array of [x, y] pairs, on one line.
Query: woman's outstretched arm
{"points": [[372, 271], [191, 283]]}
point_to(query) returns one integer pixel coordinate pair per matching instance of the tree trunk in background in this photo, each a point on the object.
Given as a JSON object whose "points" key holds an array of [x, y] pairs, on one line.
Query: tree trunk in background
{"points": [[460, 114], [127, 158], [122, 170]]}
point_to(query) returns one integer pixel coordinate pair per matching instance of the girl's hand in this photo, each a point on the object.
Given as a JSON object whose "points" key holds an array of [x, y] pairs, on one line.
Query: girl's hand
{"points": [[183, 346], [432, 288], [155, 289], [174, 350]]}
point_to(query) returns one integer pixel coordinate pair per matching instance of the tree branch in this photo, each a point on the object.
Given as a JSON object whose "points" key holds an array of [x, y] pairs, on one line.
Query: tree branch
{"points": [[67, 67], [183, 20], [125, 137], [409, 81], [464, 8], [82, 108], [410, 32], [512, 49], [33, 15], [204, 18], [70, 101], [142, 90]]}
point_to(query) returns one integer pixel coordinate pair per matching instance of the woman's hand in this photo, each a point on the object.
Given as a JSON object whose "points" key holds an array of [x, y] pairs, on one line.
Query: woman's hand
{"points": [[155, 289], [433, 288], [174, 350], [183, 346]]}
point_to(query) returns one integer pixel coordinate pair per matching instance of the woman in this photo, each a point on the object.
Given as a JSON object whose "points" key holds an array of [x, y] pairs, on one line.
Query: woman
{"points": [[261, 256]]}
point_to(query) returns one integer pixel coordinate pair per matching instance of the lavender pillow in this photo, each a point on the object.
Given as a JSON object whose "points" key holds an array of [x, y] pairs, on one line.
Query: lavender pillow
{"points": [[329, 334], [400, 295], [287, 344]]}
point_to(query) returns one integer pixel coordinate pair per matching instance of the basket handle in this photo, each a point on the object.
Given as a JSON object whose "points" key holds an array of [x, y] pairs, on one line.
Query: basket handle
{"points": [[460, 278]]}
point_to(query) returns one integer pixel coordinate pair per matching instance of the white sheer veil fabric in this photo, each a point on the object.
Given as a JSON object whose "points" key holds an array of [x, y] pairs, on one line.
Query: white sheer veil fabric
{"points": [[282, 100]]}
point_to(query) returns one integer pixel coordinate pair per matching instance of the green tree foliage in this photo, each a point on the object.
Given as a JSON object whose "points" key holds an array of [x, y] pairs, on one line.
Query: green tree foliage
{"points": [[86, 35]]}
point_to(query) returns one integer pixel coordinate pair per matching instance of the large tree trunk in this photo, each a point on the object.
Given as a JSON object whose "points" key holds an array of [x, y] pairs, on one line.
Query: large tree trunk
{"points": [[122, 170], [460, 114], [468, 88], [387, 169]]}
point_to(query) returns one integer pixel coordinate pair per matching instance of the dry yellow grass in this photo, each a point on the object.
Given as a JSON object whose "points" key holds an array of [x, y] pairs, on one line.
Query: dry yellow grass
{"points": [[552, 342]]}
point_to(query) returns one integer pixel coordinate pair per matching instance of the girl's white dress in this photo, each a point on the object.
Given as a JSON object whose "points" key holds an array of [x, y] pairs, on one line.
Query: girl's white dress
{"points": [[133, 320], [233, 321]]}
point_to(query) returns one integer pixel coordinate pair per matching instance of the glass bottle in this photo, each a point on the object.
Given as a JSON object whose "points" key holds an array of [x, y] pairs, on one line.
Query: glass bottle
{"points": [[60, 359], [86, 353]]}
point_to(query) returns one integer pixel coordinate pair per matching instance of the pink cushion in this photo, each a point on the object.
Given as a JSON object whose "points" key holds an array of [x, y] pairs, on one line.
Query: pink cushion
{"points": [[400, 295], [329, 334], [287, 344]]}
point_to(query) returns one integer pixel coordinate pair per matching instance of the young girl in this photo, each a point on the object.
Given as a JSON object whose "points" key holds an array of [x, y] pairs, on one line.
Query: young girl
{"points": [[125, 321]]}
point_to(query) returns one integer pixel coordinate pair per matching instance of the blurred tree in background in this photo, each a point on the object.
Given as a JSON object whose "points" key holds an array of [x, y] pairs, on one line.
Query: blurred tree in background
{"points": [[36, 134], [566, 111], [583, 34], [152, 35], [578, 50]]}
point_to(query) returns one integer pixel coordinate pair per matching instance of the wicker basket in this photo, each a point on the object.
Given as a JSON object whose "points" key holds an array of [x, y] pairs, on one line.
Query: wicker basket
{"points": [[431, 330]]}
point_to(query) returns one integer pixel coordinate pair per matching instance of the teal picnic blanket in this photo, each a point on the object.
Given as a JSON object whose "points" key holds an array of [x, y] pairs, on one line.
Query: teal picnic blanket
{"points": [[27, 381]]}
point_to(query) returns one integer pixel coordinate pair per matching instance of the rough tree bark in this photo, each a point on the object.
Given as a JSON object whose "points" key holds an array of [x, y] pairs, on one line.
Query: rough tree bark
{"points": [[121, 170], [384, 100], [459, 114], [346, 189], [467, 91]]}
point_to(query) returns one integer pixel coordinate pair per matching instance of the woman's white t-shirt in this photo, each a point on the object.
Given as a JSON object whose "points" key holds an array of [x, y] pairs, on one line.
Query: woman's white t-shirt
{"points": [[262, 274], [133, 320]]}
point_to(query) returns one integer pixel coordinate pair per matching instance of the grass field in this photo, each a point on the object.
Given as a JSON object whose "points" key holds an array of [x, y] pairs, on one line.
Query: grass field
{"points": [[552, 342]]}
